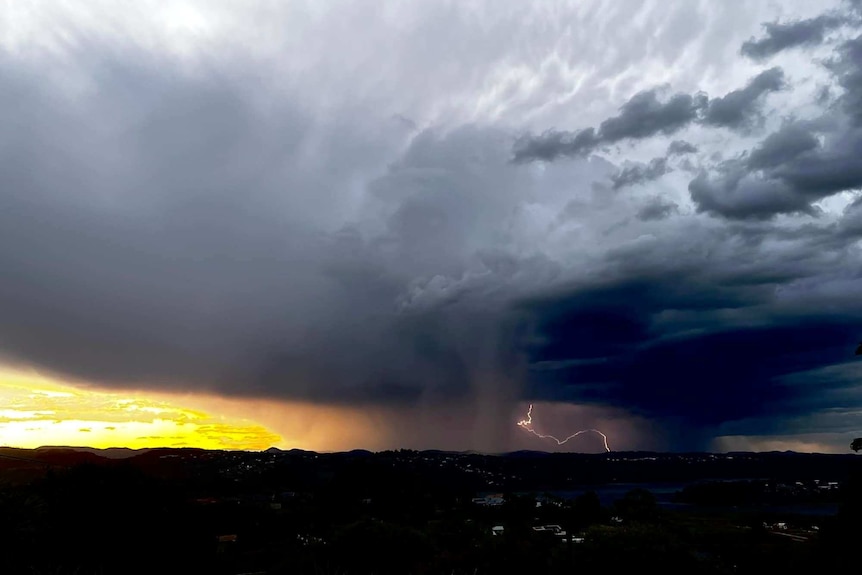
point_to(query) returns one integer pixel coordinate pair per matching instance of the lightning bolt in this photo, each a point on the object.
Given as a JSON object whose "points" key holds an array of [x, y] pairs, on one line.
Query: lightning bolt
{"points": [[527, 425]]}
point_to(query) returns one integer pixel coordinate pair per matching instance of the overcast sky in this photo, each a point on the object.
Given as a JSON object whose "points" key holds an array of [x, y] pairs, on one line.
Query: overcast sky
{"points": [[644, 215]]}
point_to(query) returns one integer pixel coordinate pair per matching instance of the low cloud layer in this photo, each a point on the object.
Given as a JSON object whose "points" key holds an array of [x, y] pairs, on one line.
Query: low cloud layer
{"points": [[278, 217]]}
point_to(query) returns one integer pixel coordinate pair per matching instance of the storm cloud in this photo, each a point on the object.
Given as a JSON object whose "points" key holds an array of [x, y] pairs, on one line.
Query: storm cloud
{"points": [[739, 108], [646, 115], [643, 116], [799, 164], [680, 148], [780, 36], [194, 201], [639, 174]]}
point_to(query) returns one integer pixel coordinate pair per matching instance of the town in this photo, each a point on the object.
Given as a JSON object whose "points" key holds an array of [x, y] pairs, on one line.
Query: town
{"points": [[403, 511]]}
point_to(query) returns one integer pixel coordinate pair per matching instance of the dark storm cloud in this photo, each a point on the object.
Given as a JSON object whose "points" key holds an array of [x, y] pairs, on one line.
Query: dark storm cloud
{"points": [[177, 259], [640, 173], [657, 208], [734, 192], [553, 144], [705, 341], [848, 69], [781, 36], [645, 115], [783, 146], [738, 109], [680, 148], [784, 174], [797, 165], [210, 226], [850, 224]]}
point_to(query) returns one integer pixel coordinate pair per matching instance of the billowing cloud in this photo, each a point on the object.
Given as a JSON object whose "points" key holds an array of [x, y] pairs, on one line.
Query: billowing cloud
{"points": [[643, 116], [646, 115], [194, 201], [681, 148], [657, 208], [640, 173], [788, 172], [739, 108], [735, 193], [783, 146], [848, 69], [780, 36], [553, 144]]}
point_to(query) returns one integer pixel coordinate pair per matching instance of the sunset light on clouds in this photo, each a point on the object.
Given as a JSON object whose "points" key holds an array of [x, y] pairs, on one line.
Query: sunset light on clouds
{"points": [[37, 411]]}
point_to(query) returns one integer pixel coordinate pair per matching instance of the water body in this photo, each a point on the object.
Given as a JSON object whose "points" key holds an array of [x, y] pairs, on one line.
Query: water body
{"points": [[664, 494]]}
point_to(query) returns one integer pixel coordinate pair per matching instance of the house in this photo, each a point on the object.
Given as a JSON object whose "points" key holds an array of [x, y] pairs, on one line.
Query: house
{"points": [[555, 530], [497, 530], [548, 500], [493, 500], [306, 540], [225, 542]]}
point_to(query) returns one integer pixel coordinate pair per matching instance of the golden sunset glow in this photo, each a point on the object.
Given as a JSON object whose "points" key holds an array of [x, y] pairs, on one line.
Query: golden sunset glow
{"points": [[37, 411]]}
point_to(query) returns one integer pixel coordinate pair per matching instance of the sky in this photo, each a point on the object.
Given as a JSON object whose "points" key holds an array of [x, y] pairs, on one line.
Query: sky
{"points": [[350, 224]]}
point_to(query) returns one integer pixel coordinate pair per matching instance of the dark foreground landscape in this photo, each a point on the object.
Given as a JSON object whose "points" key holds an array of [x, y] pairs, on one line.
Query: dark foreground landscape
{"points": [[77, 511]]}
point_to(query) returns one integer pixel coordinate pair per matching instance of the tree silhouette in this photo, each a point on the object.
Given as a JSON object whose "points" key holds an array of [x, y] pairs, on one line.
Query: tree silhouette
{"points": [[638, 504], [587, 509]]}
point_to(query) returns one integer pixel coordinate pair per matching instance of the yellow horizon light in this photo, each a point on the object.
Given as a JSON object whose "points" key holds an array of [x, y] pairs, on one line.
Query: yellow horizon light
{"points": [[37, 411]]}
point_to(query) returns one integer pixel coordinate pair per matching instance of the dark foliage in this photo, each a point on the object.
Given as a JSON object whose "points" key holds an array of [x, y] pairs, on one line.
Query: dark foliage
{"points": [[392, 513]]}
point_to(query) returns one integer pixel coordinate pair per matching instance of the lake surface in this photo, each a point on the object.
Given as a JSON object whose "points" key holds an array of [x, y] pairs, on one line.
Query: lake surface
{"points": [[664, 494]]}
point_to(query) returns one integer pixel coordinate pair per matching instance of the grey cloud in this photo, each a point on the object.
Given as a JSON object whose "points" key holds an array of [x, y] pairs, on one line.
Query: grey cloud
{"points": [[799, 164], [554, 144], [829, 169], [850, 224], [644, 115], [735, 193], [680, 148], [786, 173], [204, 240], [848, 69], [657, 208], [684, 301], [640, 173], [781, 36], [783, 146], [189, 248], [739, 108]]}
